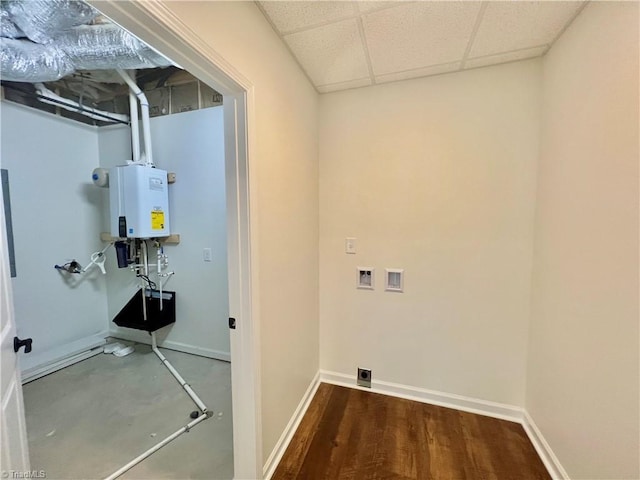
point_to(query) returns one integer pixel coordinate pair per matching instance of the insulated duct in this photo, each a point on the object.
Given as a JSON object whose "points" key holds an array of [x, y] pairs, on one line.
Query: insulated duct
{"points": [[7, 27], [24, 61], [58, 45], [108, 47], [42, 20]]}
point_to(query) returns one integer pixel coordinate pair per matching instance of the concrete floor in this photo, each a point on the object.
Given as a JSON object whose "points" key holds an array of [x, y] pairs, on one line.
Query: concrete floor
{"points": [[87, 420]]}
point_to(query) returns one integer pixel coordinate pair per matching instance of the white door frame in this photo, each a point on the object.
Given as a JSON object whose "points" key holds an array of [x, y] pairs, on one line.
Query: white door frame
{"points": [[156, 25]]}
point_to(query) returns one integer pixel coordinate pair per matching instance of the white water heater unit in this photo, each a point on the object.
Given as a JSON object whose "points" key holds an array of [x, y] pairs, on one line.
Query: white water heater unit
{"points": [[139, 202]]}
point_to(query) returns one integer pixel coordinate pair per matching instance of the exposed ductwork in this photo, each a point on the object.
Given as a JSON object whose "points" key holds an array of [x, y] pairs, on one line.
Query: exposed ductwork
{"points": [[7, 27], [43, 20], [108, 47], [25, 61], [59, 42]]}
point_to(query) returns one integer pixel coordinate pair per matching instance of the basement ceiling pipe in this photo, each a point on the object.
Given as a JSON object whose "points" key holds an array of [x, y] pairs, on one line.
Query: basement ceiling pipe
{"points": [[47, 96], [144, 107]]}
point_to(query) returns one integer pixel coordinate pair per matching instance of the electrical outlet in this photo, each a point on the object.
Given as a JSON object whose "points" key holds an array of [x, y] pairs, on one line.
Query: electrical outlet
{"points": [[364, 377]]}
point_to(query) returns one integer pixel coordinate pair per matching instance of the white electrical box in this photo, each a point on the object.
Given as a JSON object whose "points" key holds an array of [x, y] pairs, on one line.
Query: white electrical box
{"points": [[394, 281], [139, 202]]}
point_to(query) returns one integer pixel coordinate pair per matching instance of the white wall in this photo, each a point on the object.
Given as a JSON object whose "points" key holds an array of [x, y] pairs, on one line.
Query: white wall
{"points": [[583, 367], [435, 176], [286, 195], [56, 218], [191, 145]]}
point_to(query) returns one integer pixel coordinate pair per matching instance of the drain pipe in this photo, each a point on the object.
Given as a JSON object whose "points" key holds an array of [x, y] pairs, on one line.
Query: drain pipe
{"points": [[144, 108], [154, 344], [187, 388], [206, 413], [157, 447]]}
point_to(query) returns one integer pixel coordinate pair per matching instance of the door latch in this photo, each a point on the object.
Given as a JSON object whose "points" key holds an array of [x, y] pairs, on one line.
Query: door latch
{"points": [[18, 344], [232, 323]]}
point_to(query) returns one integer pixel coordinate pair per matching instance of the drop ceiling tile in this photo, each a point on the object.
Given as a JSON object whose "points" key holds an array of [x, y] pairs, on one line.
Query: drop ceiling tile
{"points": [[332, 53], [291, 16], [334, 87], [505, 57], [417, 35], [368, 6], [509, 26], [420, 72]]}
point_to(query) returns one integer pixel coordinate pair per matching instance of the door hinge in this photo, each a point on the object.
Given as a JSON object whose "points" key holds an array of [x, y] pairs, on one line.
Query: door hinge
{"points": [[232, 323]]}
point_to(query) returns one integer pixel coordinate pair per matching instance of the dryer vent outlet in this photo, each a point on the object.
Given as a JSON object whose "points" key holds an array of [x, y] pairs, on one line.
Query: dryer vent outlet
{"points": [[364, 377]]}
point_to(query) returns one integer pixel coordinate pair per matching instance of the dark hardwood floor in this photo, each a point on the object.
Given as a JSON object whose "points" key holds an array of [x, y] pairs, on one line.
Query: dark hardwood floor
{"points": [[353, 434]]}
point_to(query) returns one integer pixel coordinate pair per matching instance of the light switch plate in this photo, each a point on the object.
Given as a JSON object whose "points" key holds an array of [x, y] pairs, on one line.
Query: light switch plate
{"points": [[350, 245], [206, 255]]}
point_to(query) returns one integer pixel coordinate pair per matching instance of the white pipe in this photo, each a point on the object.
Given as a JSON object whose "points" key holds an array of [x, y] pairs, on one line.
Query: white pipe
{"points": [[145, 272], [144, 108], [47, 96], [135, 129], [159, 273], [157, 447], [145, 257], [194, 396]]}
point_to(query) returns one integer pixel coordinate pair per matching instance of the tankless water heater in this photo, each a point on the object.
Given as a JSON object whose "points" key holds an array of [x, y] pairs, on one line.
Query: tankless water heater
{"points": [[139, 202]]}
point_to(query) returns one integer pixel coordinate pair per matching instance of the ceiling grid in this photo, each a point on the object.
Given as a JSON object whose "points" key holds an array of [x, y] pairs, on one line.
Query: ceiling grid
{"points": [[363, 36], [341, 45], [483, 8]]}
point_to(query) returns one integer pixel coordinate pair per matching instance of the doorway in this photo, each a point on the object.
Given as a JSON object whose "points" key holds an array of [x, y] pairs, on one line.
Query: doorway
{"points": [[150, 23]]}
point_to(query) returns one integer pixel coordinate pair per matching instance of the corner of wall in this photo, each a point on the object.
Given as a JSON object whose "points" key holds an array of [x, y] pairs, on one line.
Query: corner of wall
{"points": [[583, 360]]}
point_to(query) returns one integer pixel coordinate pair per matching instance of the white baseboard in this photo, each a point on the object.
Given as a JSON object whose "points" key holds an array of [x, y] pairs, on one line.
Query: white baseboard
{"points": [[547, 456], [143, 337], [449, 400], [284, 440], [36, 365]]}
